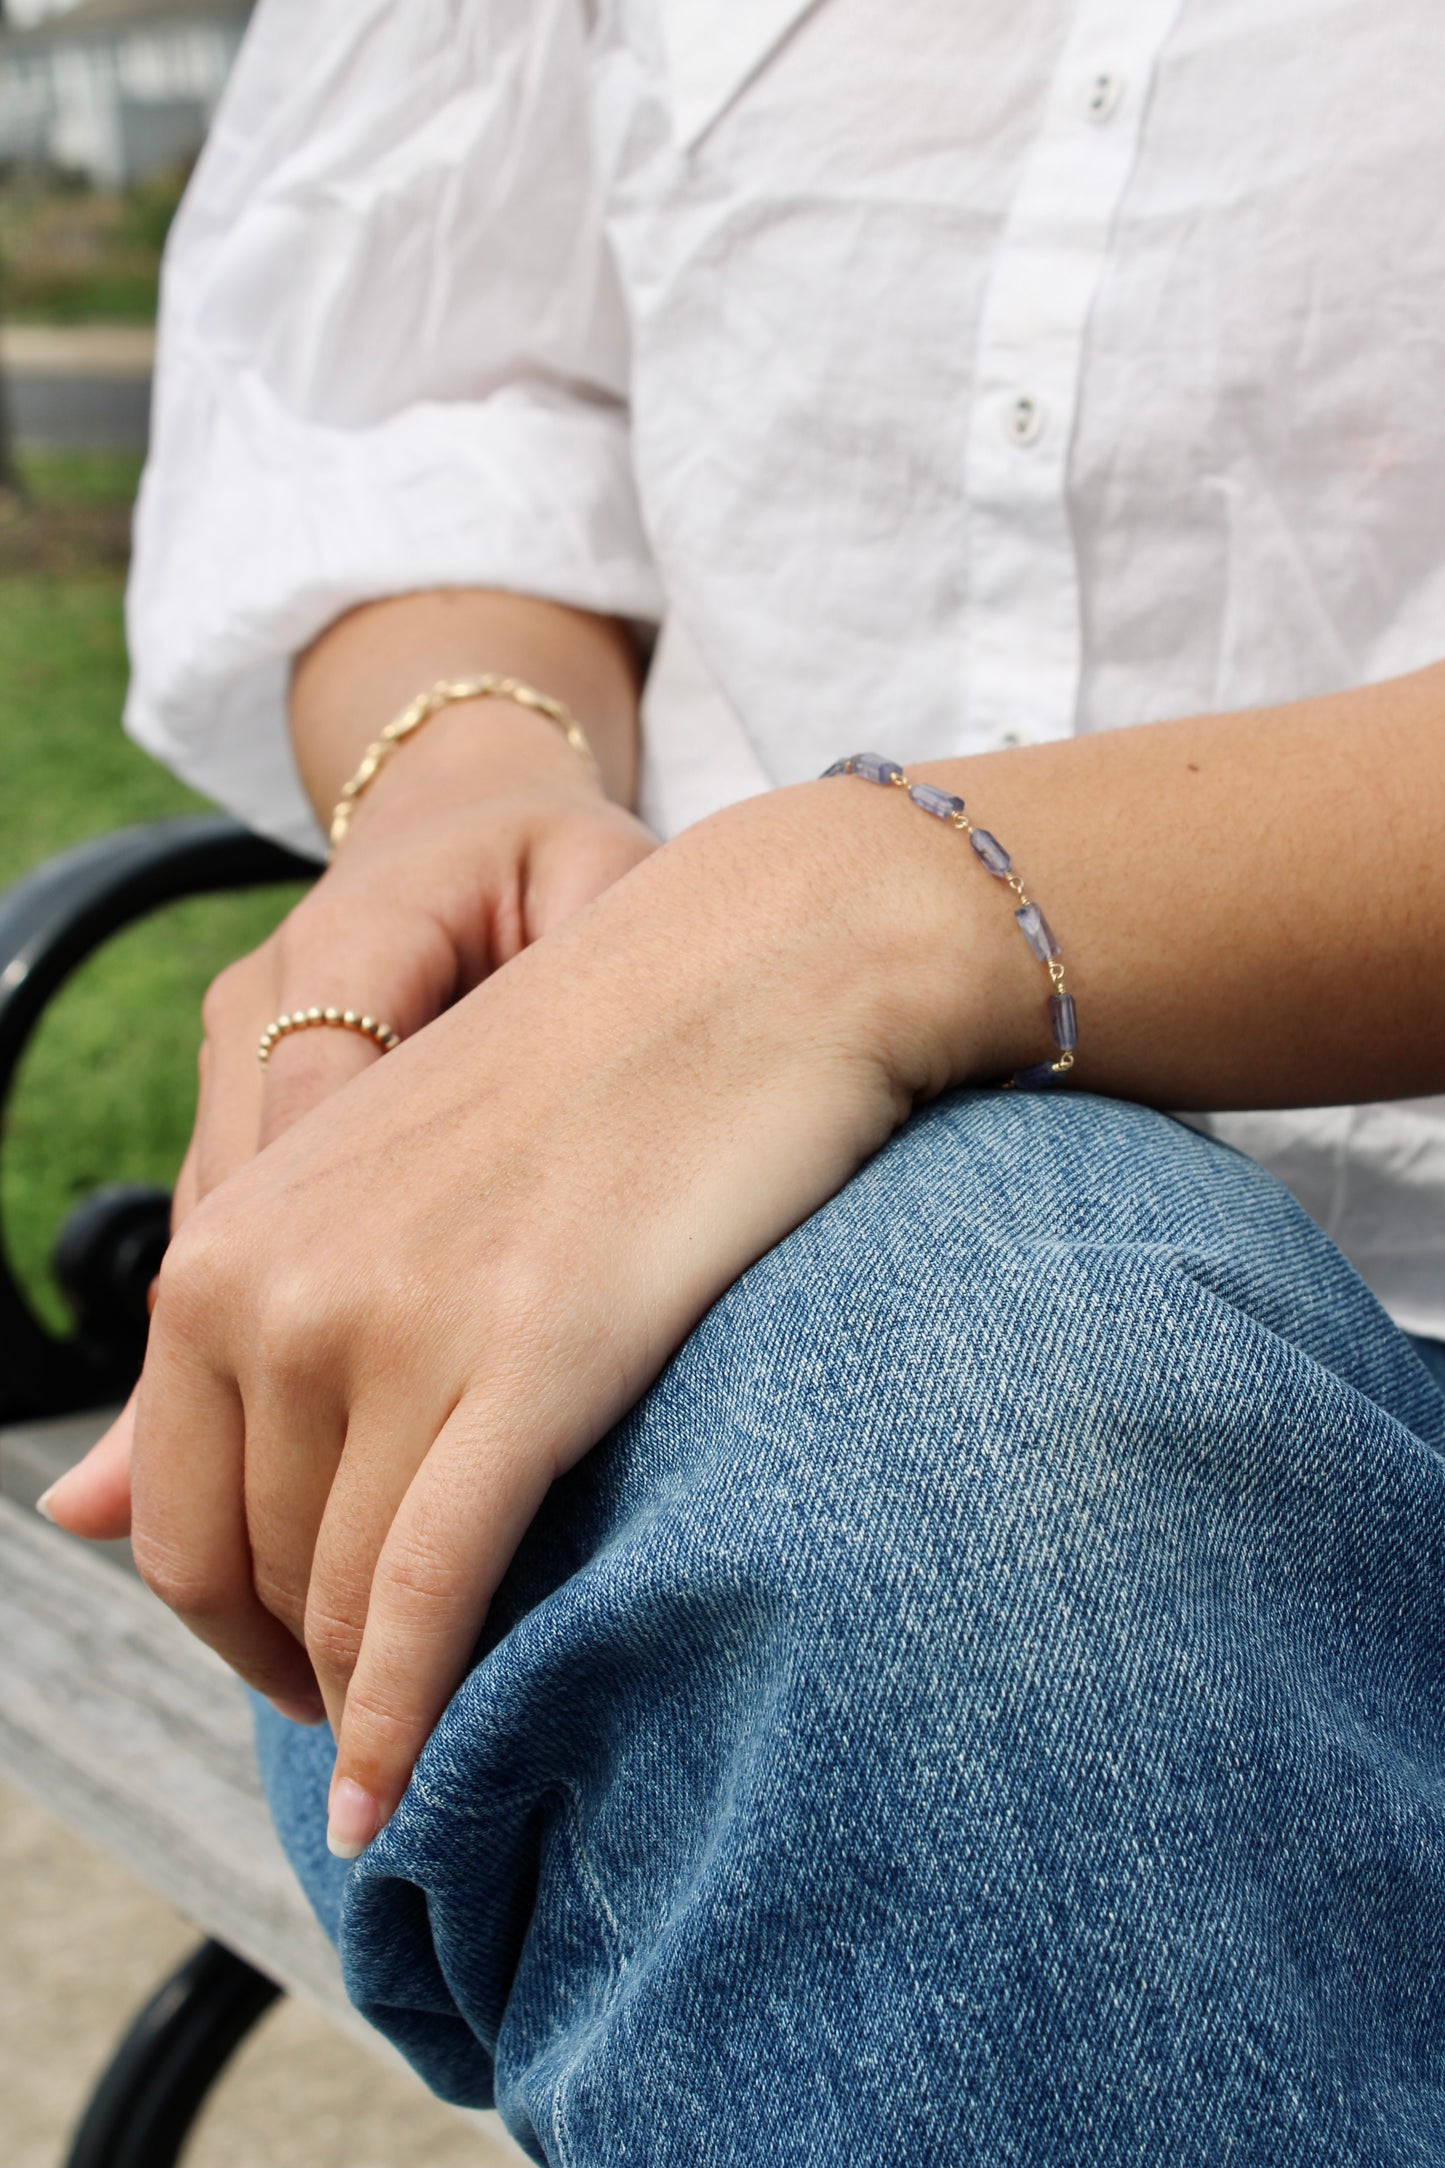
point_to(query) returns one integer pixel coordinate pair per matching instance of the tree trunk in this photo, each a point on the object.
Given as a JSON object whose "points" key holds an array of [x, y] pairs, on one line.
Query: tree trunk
{"points": [[10, 483]]}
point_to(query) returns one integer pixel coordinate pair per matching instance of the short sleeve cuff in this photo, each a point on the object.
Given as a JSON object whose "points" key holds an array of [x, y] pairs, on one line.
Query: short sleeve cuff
{"points": [[256, 530]]}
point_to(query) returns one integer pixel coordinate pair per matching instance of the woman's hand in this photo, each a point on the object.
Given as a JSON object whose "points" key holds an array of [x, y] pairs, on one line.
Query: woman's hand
{"points": [[379, 1342], [393, 1327], [445, 876], [448, 872]]}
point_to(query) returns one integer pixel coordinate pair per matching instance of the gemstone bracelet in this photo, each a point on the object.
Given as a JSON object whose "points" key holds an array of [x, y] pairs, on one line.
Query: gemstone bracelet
{"points": [[1063, 1023]]}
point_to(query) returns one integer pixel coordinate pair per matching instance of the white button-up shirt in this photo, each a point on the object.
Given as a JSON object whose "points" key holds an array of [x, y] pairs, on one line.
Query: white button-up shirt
{"points": [[948, 373]]}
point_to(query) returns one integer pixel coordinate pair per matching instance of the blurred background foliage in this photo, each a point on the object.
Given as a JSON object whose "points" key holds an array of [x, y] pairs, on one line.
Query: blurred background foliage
{"points": [[76, 254], [108, 1086]]}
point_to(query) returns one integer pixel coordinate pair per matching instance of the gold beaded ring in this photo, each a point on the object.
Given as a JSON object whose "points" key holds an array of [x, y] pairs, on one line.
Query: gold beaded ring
{"points": [[370, 1027]]}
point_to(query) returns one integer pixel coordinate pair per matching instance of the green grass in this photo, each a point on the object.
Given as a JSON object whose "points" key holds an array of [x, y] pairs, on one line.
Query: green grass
{"points": [[65, 479], [107, 1088], [73, 254]]}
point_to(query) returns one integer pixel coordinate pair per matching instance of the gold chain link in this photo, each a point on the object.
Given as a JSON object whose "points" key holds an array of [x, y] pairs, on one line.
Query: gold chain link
{"points": [[445, 693]]}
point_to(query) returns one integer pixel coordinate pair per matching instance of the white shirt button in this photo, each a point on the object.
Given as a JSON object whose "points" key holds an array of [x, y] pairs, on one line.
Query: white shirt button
{"points": [[1023, 417], [1102, 99]]}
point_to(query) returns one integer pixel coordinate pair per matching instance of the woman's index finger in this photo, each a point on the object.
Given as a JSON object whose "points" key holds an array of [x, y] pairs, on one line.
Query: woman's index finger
{"points": [[188, 1511], [453, 1537]]}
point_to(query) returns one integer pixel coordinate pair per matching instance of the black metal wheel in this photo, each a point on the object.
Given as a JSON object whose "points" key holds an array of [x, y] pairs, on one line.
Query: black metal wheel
{"points": [[154, 2086], [106, 1255], [49, 922]]}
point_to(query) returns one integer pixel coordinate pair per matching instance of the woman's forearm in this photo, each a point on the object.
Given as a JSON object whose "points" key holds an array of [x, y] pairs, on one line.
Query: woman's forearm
{"points": [[1250, 905], [1247, 903], [370, 663]]}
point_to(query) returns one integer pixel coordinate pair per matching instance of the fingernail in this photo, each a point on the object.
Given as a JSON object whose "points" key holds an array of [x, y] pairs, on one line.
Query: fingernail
{"points": [[42, 1504], [354, 1820], [300, 1712]]}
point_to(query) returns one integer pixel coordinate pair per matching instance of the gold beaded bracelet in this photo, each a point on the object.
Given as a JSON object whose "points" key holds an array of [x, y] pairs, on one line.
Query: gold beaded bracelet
{"points": [[441, 695]]}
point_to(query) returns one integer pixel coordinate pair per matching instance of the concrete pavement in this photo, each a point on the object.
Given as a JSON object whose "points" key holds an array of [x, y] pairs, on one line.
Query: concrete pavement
{"points": [[82, 1946], [78, 387], [116, 351]]}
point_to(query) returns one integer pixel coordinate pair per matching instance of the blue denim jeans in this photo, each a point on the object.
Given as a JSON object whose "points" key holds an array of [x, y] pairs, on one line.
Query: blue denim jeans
{"points": [[985, 1705]]}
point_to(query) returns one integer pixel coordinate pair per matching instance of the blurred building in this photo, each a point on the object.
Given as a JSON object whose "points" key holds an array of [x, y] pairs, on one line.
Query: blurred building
{"points": [[113, 89]]}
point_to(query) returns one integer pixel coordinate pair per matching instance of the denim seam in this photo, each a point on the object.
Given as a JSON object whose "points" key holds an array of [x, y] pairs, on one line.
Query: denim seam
{"points": [[617, 1969]]}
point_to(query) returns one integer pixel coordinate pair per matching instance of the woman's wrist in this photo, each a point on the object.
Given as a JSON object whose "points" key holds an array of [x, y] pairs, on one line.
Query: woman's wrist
{"points": [[994, 993], [475, 752], [904, 949], [365, 669], [1248, 902], [960, 999]]}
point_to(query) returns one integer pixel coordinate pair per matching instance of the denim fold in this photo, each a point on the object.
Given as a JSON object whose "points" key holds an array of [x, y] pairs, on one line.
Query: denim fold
{"points": [[985, 1705]]}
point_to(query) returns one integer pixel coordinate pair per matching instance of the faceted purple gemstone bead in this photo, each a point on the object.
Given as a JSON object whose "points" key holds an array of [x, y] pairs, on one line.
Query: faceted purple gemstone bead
{"points": [[874, 768], [941, 803], [1041, 1077], [839, 767], [992, 852], [1035, 928], [1065, 1023]]}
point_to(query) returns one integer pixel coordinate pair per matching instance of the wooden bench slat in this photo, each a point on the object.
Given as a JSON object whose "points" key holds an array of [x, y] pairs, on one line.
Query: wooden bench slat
{"points": [[120, 1723]]}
